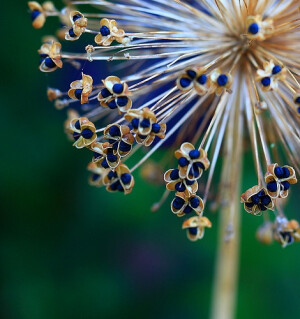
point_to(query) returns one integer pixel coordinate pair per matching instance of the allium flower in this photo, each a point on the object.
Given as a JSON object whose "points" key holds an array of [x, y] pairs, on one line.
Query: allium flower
{"points": [[205, 80], [215, 75]]}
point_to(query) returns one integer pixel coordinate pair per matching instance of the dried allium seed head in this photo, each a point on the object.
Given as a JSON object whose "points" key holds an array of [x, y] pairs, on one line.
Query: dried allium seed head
{"points": [[191, 79]]}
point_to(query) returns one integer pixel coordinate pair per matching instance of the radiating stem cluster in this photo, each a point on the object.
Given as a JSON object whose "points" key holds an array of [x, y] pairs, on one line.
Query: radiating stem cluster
{"points": [[205, 80]]}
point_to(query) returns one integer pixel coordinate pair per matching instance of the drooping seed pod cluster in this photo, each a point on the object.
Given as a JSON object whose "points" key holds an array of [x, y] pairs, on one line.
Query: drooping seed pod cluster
{"points": [[201, 81]]}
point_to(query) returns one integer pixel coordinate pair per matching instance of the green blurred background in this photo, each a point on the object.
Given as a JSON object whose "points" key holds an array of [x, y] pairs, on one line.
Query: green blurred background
{"points": [[72, 251]]}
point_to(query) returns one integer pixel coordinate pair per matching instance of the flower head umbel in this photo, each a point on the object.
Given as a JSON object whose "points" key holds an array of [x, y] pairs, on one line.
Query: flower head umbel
{"points": [[207, 82]]}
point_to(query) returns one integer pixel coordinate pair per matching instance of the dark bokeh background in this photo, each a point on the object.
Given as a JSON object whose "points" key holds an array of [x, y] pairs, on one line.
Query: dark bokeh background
{"points": [[72, 251]]}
